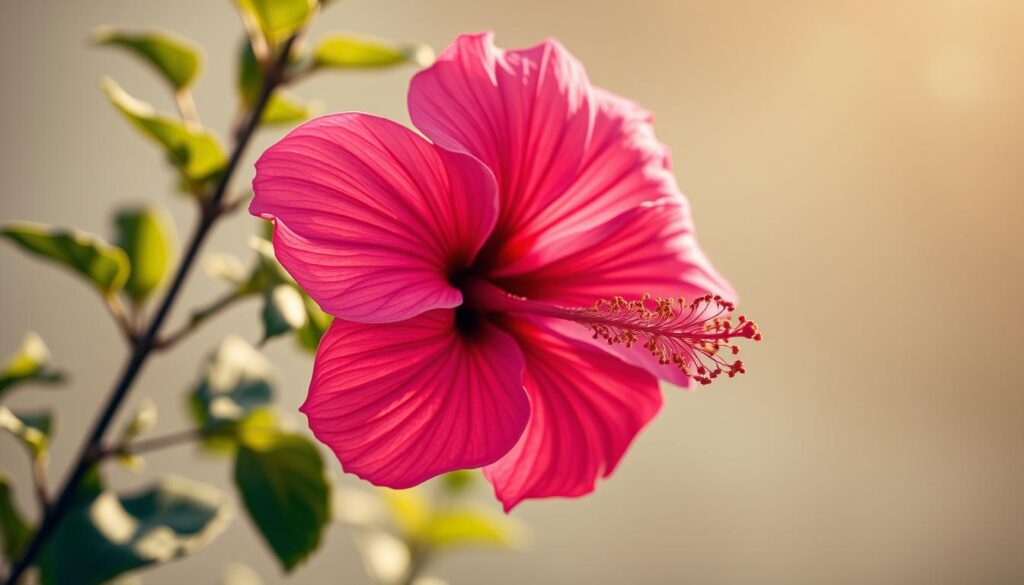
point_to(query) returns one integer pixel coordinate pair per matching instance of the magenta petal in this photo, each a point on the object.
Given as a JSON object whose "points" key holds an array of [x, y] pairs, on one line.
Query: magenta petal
{"points": [[527, 114], [649, 249], [624, 166], [400, 403], [372, 220], [587, 406]]}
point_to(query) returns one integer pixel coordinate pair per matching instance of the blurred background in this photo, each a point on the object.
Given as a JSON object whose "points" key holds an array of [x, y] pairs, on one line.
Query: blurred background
{"points": [[857, 171]]}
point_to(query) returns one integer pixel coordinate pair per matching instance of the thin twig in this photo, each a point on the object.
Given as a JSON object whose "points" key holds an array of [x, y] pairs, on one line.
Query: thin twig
{"points": [[198, 318], [144, 345], [150, 444], [187, 107], [117, 311], [236, 203], [40, 479]]}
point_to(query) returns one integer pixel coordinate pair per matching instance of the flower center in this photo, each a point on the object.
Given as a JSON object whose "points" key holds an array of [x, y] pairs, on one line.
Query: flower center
{"points": [[693, 336]]}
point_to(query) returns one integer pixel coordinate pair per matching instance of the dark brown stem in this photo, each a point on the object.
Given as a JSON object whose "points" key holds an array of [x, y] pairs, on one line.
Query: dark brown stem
{"points": [[198, 318], [144, 345], [150, 444]]}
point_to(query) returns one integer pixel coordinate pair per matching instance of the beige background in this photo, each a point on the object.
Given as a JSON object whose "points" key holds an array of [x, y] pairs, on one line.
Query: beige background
{"points": [[856, 169]]}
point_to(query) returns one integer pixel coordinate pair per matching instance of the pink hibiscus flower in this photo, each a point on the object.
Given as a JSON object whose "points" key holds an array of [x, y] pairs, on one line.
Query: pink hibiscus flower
{"points": [[478, 280]]}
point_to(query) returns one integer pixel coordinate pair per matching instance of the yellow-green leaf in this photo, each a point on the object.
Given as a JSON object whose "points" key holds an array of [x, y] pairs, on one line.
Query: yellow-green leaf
{"points": [[145, 235], [285, 108], [468, 527], [105, 266], [456, 482], [360, 52], [410, 510], [196, 152], [277, 18], [177, 59], [31, 363], [33, 430]]}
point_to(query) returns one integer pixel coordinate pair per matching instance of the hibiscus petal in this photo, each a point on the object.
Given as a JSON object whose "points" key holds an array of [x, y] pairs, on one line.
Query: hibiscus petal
{"points": [[400, 403], [527, 114], [649, 249], [587, 406], [624, 166], [372, 220]]}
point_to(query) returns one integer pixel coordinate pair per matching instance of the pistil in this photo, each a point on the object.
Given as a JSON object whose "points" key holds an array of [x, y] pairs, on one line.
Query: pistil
{"points": [[694, 336]]}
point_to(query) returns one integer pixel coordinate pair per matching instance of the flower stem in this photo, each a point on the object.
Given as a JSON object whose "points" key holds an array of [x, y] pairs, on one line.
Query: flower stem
{"points": [[143, 346]]}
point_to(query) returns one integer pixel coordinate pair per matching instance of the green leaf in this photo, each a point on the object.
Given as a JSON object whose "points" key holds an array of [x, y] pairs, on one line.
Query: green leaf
{"points": [[277, 18], [105, 266], [467, 526], [250, 75], [195, 152], [360, 52], [457, 482], [282, 483], [317, 323], [31, 363], [267, 272], [91, 487], [283, 310], [110, 534], [177, 59], [282, 108], [144, 234], [236, 383], [14, 531]]}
